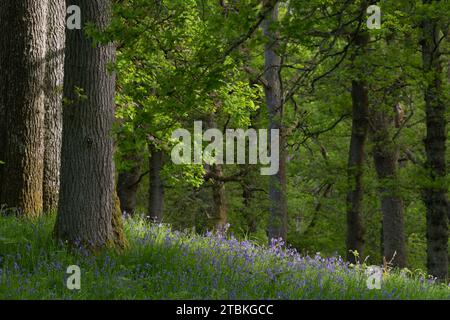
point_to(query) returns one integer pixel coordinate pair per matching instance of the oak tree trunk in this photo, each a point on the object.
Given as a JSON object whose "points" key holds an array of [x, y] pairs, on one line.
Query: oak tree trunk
{"points": [[89, 209], [355, 168], [277, 227], [218, 192], [435, 190], [385, 154], [54, 76], [4, 16], [22, 74]]}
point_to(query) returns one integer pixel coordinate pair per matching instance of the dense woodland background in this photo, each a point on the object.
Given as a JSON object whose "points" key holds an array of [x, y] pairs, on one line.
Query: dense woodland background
{"points": [[86, 118]]}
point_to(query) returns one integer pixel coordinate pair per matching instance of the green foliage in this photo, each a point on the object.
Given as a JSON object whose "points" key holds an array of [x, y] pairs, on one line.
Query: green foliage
{"points": [[179, 61]]}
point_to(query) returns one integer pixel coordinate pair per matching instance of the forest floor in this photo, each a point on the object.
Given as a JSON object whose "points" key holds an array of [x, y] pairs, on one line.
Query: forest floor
{"points": [[165, 264]]}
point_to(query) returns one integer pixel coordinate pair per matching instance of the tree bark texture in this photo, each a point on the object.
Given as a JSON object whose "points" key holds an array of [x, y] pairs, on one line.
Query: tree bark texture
{"points": [[89, 210], [385, 155], [22, 74], [54, 77]]}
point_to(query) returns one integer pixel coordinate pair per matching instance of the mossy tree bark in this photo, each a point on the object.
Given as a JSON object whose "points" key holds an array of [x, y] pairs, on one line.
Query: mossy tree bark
{"points": [[22, 74]]}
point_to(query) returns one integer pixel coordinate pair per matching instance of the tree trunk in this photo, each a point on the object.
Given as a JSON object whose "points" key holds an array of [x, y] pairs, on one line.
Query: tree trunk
{"points": [[53, 102], [277, 227], [214, 173], [435, 190], [88, 204], [156, 187], [23, 40], [219, 219], [128, 184], [247, 197], [360, 124], [4, 16], [385, 154], [448, 82]]}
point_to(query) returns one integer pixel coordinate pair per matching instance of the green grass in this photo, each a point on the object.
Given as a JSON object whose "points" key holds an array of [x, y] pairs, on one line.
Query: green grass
{"points": [[165, 264]]}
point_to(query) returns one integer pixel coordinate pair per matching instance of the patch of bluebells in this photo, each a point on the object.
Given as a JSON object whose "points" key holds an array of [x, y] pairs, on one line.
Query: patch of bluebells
{"points": [[238, 260], [220, 263], [166, 264]]}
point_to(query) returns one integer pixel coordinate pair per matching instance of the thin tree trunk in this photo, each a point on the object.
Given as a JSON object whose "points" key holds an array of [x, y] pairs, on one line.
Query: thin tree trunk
{"points": [[385, 154], [448, 83], [247, 197], [277, 227], [128, 184], [23, 40], [89, 208], [53, 102], [219, 204], [4, 16], [156, 187], [360, 124], [218, 217], [435, 191]]}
